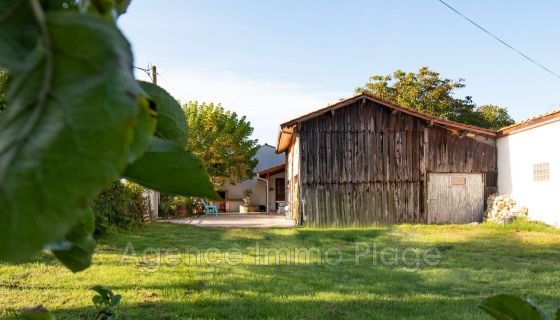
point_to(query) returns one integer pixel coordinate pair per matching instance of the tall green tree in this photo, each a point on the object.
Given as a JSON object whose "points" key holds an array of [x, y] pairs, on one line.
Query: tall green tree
{"points": [[222, 139], [428, 92]]}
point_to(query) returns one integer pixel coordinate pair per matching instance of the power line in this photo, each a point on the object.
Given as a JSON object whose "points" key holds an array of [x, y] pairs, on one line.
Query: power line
{"points": [[500, 40], [169, 85], [146, 70], [149, 73]]}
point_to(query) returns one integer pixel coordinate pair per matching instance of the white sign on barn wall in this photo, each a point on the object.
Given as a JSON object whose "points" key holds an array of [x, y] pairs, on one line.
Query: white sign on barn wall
{"points": [[529, 170]]}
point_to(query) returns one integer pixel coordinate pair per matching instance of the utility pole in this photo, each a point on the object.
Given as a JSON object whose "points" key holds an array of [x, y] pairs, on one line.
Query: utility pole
{"points": [[154, 75], [154, 195]]}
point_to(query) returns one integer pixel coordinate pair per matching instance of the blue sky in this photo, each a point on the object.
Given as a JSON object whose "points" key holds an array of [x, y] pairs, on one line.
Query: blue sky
{"points": [[274, 60]]}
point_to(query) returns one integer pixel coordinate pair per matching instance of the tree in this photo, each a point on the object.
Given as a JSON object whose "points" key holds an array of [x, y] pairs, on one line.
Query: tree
{"points": [[492, 116], [427, 92], [222, 140]]}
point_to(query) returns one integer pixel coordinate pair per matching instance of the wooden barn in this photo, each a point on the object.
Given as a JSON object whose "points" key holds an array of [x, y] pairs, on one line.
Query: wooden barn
{"points": [[367, 161]]}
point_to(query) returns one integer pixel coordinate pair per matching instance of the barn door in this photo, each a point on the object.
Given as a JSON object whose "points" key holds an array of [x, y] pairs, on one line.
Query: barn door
{"points": [[455, 198]]}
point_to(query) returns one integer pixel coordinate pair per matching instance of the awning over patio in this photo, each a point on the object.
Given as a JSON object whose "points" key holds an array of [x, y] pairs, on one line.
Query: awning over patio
{"points": [[272, 170]]}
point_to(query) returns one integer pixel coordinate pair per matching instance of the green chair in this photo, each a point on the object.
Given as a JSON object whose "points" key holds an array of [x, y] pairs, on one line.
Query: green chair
{"points": [[210, 208]]}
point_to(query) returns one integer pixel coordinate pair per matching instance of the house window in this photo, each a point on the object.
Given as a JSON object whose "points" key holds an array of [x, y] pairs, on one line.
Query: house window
{"points": [[541, 171]]}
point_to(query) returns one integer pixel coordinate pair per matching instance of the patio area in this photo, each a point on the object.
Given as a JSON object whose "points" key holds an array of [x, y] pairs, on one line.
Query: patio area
{"points": [[235, 220]]}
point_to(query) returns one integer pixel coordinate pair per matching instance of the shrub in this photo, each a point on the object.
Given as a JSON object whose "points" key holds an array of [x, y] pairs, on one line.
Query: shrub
{"points": [[173, 205], [121, 206]]}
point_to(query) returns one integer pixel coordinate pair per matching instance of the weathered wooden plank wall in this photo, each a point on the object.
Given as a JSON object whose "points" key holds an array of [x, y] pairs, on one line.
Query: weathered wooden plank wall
{"points": [[365, 164]]}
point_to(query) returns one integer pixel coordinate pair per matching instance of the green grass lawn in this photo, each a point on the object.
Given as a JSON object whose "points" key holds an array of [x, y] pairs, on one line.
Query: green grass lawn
{"points": [[476, 261]]}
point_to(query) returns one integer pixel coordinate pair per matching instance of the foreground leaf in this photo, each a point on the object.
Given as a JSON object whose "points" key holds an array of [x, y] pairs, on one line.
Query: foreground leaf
{"points": [[121, 6], [168, 168], [109, 9], [144, 126], [68, 130], [105, 294], [509, 307], [77, 256], [18, 37], [171, 121]]}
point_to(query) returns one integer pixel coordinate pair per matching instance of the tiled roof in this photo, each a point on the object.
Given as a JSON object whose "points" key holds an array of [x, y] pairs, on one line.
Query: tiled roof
{"points": [[535, 121]]}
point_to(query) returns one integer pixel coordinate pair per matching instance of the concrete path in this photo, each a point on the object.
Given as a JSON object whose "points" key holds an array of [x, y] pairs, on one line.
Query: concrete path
{"points": [[237, 221]]}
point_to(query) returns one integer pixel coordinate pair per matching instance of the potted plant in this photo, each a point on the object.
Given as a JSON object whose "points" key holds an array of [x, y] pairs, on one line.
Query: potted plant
{"points": [[247, 197]]}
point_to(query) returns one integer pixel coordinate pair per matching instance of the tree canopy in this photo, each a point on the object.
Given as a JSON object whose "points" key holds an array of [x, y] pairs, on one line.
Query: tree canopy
{"points": [[222, 140], [428, 92], [492, 116]]}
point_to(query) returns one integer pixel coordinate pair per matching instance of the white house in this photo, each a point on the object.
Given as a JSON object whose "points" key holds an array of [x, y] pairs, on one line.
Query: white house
{"points": [[529, 165], [269, 173]]}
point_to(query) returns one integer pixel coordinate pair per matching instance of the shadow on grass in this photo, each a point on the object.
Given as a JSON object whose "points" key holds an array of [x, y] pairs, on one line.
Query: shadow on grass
{"points": [[267, 308], [480, 263]]}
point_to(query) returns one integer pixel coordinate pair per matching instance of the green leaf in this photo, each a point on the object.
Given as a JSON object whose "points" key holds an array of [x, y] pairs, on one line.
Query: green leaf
{"points": [[18, 36], [109, 9], [68, 129], [144, 126], [509, 307], [98, 300], [557, 314], [168, 168], [103, 7], [171, 121], [78, 256], [49, 5], [538, 308], [121, 6], [105, 295], [116, 300], [103, 291]]}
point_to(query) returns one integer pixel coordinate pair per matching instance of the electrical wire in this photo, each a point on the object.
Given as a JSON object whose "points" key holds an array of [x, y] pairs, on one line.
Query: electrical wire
{"points": [[149, 73], [174, 92], [146, 70], [500, 40]]}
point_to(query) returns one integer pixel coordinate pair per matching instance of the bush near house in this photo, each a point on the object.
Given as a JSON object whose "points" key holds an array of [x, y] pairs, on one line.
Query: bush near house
{"points": [[120, 206], [171, 206]]}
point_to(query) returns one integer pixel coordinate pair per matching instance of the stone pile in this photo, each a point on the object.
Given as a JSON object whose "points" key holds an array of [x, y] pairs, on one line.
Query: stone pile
{"points": [[503, 209]]}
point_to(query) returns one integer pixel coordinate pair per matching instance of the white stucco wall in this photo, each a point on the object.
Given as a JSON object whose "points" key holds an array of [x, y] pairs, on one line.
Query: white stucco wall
{"points": [[272, 191], [267, 158], [292, 177], [234, 193], [517, 153]]}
